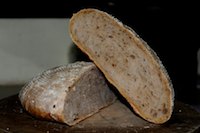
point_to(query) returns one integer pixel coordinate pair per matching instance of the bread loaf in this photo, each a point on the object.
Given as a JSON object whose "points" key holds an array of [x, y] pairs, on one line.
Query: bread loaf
{"points": [[67, 94], [126, 61]]}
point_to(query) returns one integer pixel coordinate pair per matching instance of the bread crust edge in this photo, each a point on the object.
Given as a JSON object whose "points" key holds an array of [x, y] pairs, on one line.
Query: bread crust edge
{"points": [[143, 45]]}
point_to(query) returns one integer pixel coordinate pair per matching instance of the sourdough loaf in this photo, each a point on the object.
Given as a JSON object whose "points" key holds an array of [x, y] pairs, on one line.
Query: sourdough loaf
{"points": [[126, 61], [67, 93]]}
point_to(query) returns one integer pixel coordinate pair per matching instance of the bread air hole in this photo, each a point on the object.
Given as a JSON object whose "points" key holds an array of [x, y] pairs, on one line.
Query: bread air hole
{"points": [[114, 65], [110, 36], [164, 110], [96, 53], [132, 56], [153, 112], [75, 116], [128, 74], [126, 60]]}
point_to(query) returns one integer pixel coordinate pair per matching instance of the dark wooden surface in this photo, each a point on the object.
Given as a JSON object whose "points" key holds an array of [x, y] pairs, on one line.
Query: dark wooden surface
{"points": [[115, 118]]}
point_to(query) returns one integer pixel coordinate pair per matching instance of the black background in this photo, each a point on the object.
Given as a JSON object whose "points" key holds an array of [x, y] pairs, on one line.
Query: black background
{"points": [[169, 27]]}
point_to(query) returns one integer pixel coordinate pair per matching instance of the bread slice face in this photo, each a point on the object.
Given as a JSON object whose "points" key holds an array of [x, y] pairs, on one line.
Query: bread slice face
{"points": [[126, 61], [67, 94]]}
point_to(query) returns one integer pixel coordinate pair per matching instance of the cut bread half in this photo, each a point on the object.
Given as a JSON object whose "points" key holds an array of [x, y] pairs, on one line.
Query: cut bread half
{"points": [[67, 94], [126, 61]]}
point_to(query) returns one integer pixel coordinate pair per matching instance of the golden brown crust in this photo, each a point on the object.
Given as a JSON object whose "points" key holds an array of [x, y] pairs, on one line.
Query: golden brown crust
{"points": [[149, 55]]}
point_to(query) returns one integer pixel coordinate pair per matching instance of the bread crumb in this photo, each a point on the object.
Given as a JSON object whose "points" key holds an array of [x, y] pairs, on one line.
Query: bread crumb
{"points": [[165, 110], [146, 127]]}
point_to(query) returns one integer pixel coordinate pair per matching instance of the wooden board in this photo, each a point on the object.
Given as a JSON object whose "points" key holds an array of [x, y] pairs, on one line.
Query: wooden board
{"points": [[115, 118]]}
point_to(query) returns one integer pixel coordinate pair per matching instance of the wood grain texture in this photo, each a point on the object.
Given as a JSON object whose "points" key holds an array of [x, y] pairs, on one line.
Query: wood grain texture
{"points": [[116, 118]]}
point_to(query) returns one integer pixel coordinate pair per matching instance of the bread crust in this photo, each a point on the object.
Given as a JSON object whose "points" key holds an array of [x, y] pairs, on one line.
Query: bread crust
{"points": [[79, 19], [59, 93]]}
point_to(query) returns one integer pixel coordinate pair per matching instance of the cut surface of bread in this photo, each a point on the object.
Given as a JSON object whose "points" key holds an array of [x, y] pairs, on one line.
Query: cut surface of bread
{"points": [[68, 93], [126, 61]]}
